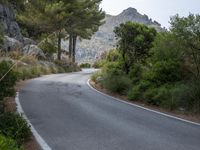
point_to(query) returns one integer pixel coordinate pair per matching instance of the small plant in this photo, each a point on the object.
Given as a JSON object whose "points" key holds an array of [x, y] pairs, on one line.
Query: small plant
{"points": [[8, 144], [14, 126], [7, 83], [95, 76], [119, 83], [85, 65]]}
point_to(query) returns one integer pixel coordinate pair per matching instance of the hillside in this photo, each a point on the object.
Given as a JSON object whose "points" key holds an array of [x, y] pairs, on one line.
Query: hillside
{"points": [[104, 39]]}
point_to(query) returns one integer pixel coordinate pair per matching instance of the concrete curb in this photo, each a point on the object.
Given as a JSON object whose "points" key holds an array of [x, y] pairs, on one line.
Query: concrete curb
{"points": [[39, 139]]}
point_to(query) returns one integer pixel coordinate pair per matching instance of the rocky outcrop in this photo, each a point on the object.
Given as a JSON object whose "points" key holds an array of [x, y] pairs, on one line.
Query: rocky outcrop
{"points": [[11, 44], [33, 50], [104, 39], [28, 41], [9, 24]]}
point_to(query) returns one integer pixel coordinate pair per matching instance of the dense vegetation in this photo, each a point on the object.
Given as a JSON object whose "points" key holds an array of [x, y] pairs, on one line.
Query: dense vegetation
{"points": [[160, 69], [64, 19], [48, 22]]}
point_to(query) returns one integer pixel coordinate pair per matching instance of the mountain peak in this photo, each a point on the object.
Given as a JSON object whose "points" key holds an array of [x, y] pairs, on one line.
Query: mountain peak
{"points": [[129, 11]]}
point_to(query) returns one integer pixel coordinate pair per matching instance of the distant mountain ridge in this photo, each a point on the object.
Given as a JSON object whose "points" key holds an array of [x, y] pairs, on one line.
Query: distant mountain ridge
{"points": [[104, 39]]}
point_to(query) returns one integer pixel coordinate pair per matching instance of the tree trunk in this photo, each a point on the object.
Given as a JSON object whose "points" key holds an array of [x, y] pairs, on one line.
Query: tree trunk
{"points": [[74, 49], [126, 67], [70, 46], [59, 46]]}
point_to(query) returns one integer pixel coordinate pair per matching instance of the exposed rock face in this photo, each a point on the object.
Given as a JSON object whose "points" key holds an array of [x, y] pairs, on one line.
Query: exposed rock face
{"points": [[104, 39], [10, 26], [33, 50], [11, 44], [28, 41]]}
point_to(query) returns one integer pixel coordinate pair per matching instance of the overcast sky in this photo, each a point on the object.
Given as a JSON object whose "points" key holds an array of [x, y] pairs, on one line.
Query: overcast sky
{"points": [[159, 10]]}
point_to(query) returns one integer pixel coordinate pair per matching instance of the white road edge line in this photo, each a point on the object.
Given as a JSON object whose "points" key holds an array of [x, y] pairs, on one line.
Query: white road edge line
{"points": [[39, 139], [122, 101]]}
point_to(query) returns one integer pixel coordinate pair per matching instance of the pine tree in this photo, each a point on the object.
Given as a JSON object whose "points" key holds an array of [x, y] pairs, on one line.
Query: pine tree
{"points": [[46, 16], [84, 23]]}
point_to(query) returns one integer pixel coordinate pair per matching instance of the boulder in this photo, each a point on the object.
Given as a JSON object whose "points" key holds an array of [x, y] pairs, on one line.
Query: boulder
{"points": [[11, 44], [33, 50], [28, 41]]}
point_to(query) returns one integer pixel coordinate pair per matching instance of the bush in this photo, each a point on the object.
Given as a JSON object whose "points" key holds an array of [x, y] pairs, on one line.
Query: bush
{"points": [[8, 82], [164, 72], [149, 95], [188, 95], [14, 126], [137, 91], [96, 75], [134, 93], [117, 83], [135, 72], [99, 63], [8, 144], [85, 65]]}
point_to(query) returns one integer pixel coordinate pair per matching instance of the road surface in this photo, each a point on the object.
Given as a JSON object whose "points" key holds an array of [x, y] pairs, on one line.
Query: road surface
{"points": [[69, 115]]}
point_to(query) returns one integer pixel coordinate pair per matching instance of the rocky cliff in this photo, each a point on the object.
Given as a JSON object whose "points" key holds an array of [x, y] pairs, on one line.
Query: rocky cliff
{"points": [[9, 24], [13, 39], [104, 39]]}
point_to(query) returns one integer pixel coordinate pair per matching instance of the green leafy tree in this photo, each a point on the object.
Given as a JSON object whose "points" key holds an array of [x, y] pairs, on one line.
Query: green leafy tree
{"points": [[134, 42], [187, 29]]}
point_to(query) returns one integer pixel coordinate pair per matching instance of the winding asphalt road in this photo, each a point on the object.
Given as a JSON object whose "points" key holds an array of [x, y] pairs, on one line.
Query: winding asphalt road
{"points": [[69, 115]]}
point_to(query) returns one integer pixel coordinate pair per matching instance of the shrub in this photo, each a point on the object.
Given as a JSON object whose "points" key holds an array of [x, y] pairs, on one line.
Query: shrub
{"points": [[164, 72], [99, 63], [134, 93], [194, 96], [113, 56], [8, 82], [85, 65], [96, 75], [135, 72], [8, 144], [188, 95], [117, 83], [137, 91], [149, 95], [14, 126]]}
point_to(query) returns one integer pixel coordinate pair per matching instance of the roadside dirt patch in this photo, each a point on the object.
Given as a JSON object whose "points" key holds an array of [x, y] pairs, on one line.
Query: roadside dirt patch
{"points": [[179, 114]]}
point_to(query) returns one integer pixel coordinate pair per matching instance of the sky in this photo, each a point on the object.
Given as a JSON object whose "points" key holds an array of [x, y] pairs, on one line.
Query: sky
{"points": [[159, 10]]}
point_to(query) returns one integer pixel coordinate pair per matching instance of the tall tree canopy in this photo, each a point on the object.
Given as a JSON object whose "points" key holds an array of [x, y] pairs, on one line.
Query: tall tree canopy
{"points": [[77, 17], [134, 42], [187, 29]]}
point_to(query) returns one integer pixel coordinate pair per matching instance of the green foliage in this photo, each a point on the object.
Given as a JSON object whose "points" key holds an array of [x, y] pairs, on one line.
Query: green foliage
{"points": [[163, 72], [1, 36], [8, 144], [114, 78], [7, 83], [116, 83], [167, 75], [85, 65], [77, 18], [110, 56], [190, 96], [14, 126], [187, 30], [96, 76], [134, 42], [49, 45], [99, 63]]}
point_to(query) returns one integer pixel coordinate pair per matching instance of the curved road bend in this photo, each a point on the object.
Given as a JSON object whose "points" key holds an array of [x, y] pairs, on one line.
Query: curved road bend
{"points": [[69, 115]]}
